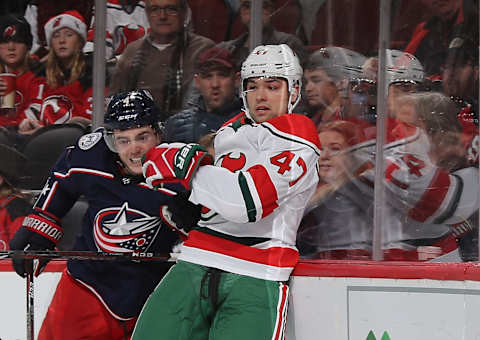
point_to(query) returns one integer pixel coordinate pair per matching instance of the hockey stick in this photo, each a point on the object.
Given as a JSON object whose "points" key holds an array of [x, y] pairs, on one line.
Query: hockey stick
{"points": [[30, 303], [35, 256], [84, 255]]}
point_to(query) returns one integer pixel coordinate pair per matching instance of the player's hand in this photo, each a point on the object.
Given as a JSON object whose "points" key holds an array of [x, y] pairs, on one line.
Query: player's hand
{"points": [[175, 162], [36, 233], [184, 213], [29, 126]]}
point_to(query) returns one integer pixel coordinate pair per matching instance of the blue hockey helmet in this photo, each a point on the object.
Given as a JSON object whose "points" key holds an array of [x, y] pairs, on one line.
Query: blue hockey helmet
{"points": [[130, 110]]}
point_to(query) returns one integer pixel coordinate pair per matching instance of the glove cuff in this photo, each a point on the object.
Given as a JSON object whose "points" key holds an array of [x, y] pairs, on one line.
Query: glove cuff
{"points": [[44, 227]]}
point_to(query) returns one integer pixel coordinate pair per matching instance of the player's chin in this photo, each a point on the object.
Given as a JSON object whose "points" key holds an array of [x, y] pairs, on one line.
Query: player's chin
{"points": [[262, 116], [135, 168]]}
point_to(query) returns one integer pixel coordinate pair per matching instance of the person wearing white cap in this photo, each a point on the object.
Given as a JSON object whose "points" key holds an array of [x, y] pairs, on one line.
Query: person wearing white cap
{"points": [[68, 73]]}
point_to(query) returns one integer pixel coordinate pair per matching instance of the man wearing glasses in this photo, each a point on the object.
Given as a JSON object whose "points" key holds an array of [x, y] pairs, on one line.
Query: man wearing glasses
{"points": [[163, 61]]}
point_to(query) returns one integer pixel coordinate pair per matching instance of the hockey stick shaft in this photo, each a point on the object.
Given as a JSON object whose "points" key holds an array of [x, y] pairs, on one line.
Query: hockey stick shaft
{"points": [[83, 255], [30, 305]]}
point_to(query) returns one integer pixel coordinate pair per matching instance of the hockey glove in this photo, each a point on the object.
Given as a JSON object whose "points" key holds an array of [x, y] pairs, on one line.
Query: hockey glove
{"points": [[37, 233], [184, 213], [175, 162]]}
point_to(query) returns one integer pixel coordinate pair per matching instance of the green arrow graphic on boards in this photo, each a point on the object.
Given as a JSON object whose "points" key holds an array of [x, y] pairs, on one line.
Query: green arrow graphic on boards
{"points": [[385, 336], [371, 336]]}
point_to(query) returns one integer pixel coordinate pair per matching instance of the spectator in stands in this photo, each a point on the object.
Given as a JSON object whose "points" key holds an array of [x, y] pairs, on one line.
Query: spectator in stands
{"points": [[333, 79], [68, 93], [337, 224], [102, 299], [15, 43], [126, 22], [38, 12], [240, 46], [14, 205], [13, 7], [217, 81], [327, 74], [430, 40], [163, 61], [460, 82]]}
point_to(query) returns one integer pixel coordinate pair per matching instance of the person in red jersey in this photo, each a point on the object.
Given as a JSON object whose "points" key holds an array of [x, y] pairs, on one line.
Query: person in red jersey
{"points": [[15, 43], [68, 73]]}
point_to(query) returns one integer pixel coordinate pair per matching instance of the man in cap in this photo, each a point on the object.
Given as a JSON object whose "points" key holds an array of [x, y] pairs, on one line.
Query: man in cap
{"points": [[216, 79]]}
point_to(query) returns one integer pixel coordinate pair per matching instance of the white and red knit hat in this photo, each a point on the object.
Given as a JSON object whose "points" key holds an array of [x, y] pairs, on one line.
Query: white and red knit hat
{"points": [[70, 19]]}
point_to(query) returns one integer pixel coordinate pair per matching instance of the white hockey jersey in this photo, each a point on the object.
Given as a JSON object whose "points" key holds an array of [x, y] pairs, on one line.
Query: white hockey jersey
{"points": [[415, 185], [125, 24], [256, 194]]}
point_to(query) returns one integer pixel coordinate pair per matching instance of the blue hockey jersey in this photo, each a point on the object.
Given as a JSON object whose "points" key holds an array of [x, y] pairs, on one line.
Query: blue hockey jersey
{"points": [[122, 217]]}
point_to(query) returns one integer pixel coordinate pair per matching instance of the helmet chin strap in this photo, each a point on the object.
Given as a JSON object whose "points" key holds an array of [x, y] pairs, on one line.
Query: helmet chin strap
{"points": [[291, 105]]}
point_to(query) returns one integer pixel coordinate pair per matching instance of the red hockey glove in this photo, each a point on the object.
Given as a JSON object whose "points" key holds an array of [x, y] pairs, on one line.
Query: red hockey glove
{"points": [[37, 233], [175, 162]]}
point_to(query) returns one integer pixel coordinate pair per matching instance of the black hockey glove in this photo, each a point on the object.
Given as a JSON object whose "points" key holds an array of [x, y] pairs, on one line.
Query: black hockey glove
{"points": [[36, 233], [468, 246], [184, 213]]}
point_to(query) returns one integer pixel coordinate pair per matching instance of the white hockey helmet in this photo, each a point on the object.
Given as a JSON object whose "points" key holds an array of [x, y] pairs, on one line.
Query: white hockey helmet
{"points": [[403, 67], [338, 62], [273, 61]]}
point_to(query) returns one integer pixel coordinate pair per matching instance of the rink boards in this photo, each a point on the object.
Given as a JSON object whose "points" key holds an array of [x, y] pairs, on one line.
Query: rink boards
{"points": [[329, 300]]}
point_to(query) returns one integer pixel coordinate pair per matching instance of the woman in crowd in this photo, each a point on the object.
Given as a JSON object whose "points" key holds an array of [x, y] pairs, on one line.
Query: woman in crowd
{"points": [[68, 73], [337, 224]]}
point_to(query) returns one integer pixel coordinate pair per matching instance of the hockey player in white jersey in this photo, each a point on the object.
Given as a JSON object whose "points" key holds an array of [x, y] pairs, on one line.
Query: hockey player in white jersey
{"points": [[231, 278]]}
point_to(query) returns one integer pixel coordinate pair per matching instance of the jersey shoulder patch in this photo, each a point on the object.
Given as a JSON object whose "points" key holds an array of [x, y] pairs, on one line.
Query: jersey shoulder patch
{"points": [[86, 142], [295, 126]]}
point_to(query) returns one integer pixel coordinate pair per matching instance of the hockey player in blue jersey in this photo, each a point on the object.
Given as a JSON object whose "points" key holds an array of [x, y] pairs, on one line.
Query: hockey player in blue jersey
{"points": [[102, 299]]}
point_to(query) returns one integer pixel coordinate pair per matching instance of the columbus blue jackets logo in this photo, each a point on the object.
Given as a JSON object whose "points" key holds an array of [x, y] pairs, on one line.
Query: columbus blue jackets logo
{"points": [[125, 230]]}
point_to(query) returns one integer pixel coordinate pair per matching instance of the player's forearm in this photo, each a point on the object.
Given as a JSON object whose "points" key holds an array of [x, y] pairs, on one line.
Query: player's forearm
{"points": [[218, 189]]}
